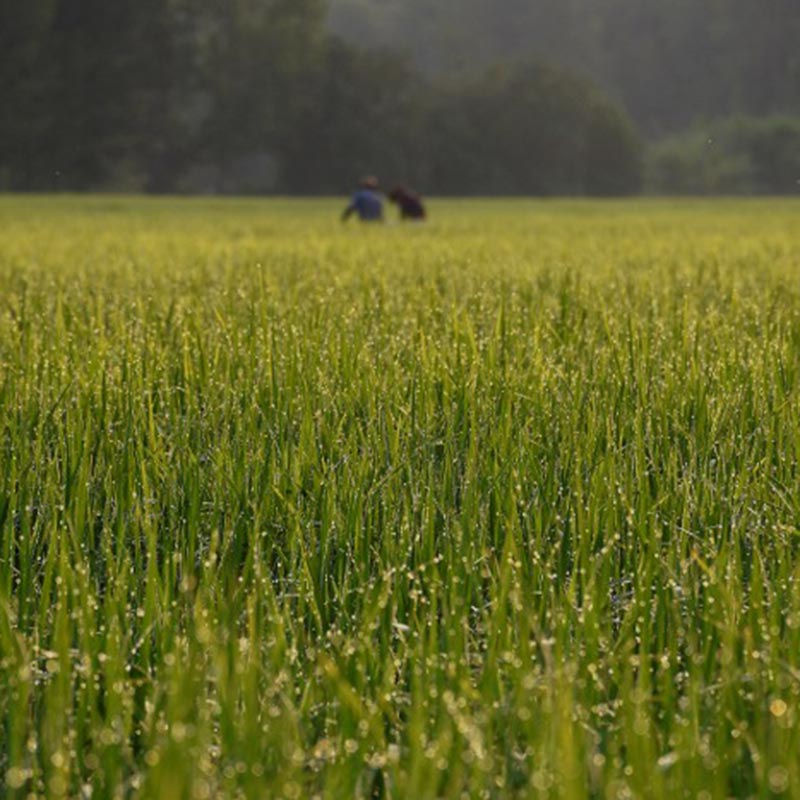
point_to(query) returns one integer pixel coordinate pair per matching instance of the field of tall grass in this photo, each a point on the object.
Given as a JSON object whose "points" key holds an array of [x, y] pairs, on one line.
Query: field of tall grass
{"points": [[505, 505]]}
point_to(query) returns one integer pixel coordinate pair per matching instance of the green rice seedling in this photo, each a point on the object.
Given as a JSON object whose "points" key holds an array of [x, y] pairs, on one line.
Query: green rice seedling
{"points": [[505, 505]]}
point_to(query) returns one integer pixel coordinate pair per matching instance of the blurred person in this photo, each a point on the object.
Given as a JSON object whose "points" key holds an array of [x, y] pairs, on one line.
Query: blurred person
{"points": [[366, 202], [409, 202]]}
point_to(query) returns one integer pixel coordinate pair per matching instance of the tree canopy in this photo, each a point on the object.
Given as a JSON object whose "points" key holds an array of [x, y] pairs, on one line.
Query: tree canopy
{"points": [[668, 62], [259, 96], [736, 155]]}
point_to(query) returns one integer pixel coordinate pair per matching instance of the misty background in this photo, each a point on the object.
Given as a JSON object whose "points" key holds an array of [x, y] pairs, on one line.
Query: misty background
{"points": [[541, 97]]}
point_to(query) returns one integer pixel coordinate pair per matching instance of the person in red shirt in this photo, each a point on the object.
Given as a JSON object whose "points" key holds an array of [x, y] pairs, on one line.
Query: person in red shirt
{"points": [[409, 202]]}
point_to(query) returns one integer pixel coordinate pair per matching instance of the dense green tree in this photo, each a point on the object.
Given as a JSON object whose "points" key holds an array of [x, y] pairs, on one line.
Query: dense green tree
{"points": [[84, 91], [669, 62], [737, 155], [261, 57], [531, 129], [258, 96], [26, 75], [366, 112], [111, 62]]}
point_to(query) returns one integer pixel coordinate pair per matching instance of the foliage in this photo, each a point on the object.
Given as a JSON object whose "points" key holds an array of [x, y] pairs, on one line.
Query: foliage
{"points": [[256, 96], [364, 113], [531, 129], [85, 92], [503, 505], [739, 155], [668, 62]]}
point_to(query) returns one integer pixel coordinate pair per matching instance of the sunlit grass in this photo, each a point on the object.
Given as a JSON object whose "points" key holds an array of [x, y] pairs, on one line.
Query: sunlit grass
{"points": [[503, 505]]}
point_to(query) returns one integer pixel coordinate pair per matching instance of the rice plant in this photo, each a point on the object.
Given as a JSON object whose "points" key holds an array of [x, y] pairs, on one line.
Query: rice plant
{"points": [[501, 506]]}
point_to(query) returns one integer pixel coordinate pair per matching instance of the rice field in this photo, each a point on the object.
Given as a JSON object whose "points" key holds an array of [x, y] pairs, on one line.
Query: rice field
{"points": [[505, 505]]}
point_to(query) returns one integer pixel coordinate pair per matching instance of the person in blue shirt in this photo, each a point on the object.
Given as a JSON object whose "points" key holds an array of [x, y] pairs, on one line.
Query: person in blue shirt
{"points": [[366, 202]]}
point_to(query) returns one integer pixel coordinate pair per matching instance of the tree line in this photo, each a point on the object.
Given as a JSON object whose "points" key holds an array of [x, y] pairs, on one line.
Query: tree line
{"points": [[712, 85], [670, 63], [452, 96], [259, 96], [736, 155]]}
